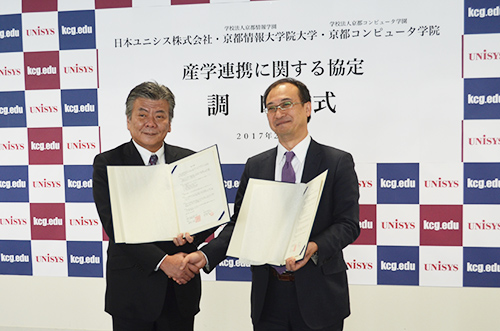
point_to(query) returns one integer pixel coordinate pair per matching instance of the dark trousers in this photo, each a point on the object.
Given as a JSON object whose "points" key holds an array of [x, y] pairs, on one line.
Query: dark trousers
{"points": [[281, 310], [170, 319]]}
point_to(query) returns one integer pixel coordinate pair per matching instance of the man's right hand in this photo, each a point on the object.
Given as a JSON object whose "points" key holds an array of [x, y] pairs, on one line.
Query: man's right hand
{"points": [[171, 266], [193, 262]]}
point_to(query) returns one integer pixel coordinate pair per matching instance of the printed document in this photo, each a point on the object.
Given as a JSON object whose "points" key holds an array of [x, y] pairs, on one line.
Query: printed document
{"points": [[275, 221], [156, 203]]}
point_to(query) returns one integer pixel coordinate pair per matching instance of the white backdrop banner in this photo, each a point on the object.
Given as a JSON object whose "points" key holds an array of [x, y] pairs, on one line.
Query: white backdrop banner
{"points": [[410, 89]]}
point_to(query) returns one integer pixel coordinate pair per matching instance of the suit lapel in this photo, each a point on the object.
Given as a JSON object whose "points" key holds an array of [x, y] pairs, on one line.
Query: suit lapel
{"points": [[268, 164], [170, 155], [132, 156], [314, 157]]}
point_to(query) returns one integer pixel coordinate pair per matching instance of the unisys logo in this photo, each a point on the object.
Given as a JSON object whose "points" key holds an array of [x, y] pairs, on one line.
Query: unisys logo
{"points": [[485, 55], [47, 258], [10, 71], [359, 265], [484, 140], [12, 146], [441, 267], [45, 145], [44, 183], [398, 225], [78, 69], [83, 222], [365, 183], [13, 221], [43, 109], [41, 70], [40, 31], [81, 145], [483, 225], [441, 183]]}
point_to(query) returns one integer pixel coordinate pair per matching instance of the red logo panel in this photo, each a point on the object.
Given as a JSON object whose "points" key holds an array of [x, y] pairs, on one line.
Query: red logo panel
{"points": [[368, 224], [47, 221], [45, 145], [39, 6], [441, 225], [188, 2], [100, 4], [41, 70]]}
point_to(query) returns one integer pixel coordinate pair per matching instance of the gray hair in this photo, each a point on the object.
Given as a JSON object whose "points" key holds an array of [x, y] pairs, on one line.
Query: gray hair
{"points": [[152, 91]]}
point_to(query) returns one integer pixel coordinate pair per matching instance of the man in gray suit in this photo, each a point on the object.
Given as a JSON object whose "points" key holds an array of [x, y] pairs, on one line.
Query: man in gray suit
{"points": [[313, 293]]}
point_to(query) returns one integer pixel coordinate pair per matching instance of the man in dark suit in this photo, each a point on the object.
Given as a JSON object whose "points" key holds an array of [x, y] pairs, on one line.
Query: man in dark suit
{"points": [[313, 293], [141, 293]]}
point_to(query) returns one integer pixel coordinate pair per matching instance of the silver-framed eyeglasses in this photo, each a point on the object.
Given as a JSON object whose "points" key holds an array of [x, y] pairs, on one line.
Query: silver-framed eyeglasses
{"points": [[284, 106]]}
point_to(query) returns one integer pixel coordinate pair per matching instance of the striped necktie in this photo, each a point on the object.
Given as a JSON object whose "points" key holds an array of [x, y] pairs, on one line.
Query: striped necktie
{"points": [[153, 160]]}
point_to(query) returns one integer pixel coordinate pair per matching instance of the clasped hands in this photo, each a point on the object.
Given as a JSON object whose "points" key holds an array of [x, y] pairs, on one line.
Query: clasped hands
{"points": [[187, 265], [182, 267]]}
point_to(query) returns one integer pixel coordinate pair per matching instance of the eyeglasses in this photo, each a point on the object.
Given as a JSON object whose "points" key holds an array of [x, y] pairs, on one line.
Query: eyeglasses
{"points": [[283, 106]]}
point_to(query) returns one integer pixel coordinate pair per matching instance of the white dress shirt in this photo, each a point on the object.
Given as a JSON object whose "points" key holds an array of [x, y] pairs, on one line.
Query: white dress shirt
{"points": [[298, 161], [145, 154]]}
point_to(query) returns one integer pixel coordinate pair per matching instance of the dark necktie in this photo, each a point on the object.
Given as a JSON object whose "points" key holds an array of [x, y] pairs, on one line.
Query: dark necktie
{"points": [[287, 175], [153, 159]]}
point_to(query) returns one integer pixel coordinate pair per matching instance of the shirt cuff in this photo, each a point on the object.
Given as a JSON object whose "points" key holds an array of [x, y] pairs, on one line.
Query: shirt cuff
{"points": [[315, 258], [159, 264], [207, 266]]}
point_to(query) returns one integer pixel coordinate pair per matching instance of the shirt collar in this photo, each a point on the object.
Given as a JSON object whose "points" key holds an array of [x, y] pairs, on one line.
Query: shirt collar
{"points": [[300, 150], [145, 154]]}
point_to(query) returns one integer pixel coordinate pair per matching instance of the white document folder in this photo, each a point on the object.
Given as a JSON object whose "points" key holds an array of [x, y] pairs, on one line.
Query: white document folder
{"points": [[156, 203], [275, 220]]}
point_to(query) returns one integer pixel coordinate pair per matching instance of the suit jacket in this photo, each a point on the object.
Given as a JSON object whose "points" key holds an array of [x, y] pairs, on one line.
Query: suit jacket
{"points": [[322, 289], [133, 288]]}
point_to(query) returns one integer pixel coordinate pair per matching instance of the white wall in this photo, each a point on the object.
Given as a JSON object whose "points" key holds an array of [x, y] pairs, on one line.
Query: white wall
{"points": [[77, 304]]}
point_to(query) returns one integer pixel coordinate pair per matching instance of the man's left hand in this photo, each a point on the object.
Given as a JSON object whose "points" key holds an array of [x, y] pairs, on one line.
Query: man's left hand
{"points": [[292, 265], [183, 238]]}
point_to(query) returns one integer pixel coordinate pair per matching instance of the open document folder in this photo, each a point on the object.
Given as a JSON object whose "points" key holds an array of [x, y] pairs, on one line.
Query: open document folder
{"points": [[275, 221], [156, 203]]}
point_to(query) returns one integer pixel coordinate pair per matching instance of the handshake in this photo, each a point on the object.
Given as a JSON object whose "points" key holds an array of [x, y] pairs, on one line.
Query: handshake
{"points": [[182, 267]]}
